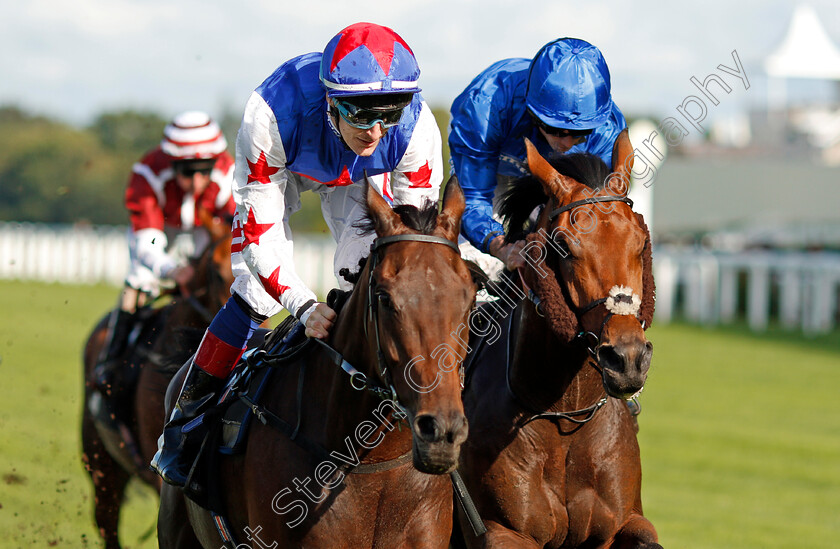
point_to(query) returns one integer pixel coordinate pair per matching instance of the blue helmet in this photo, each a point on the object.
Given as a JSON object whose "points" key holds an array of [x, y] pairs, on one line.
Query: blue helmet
{"points": [[368, 59], [569, 85]]}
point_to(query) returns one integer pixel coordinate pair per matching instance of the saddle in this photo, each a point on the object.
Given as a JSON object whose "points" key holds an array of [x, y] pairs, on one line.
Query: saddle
{"points": [[224, 428]]}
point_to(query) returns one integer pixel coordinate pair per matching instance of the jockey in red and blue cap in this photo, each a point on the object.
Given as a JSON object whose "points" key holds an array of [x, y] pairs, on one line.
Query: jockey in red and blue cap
{"points": [[560, 100], [318, 123]]}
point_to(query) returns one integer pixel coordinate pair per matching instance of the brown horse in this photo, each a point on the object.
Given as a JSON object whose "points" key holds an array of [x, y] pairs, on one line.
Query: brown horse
{"points": [[111, 456], [380, 434], [552, 458]]}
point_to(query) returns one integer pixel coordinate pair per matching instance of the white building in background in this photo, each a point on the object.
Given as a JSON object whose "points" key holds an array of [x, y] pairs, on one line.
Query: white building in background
{"points": [[807, 52]]}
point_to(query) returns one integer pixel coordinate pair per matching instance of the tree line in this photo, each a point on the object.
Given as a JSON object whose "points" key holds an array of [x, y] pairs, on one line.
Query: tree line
{"points": [[52, 172]]}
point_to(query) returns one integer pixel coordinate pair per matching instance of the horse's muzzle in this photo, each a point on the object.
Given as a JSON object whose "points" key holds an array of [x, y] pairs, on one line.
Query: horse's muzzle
{"points": [[437, 442], [624, 367]]}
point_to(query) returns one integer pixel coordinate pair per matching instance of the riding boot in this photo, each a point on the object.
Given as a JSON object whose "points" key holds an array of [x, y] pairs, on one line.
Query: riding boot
{"points": [[174, 458], [105, 372]]}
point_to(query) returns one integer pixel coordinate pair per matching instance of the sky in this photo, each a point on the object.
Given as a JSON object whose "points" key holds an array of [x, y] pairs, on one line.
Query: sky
{"points": [[74, 60]]}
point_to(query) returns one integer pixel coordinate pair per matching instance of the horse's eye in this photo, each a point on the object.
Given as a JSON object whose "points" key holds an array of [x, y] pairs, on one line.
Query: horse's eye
{"points": [[384, 299], [562, 248]]}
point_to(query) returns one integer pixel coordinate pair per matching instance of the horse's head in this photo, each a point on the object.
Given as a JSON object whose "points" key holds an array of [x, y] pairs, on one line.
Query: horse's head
{"points": [[420, 293], [598, 251], [213, 271]]}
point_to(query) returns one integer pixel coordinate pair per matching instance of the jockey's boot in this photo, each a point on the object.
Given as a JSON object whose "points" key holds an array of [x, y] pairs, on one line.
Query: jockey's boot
{"points": [[175, 452], [104, 372], [104, 379]]}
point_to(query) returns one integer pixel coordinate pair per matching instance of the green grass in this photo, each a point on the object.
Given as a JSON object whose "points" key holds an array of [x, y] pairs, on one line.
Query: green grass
{"points": [[740, 433], [45, 494], [740, 438]]}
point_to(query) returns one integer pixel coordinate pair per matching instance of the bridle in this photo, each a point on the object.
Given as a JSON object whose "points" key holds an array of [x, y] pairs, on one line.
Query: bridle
{"points": [[383, 387], [593, 338], [372, 307], [588, 338]]}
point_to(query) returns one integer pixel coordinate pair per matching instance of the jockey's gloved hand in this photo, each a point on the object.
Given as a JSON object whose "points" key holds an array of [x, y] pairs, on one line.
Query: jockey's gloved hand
{"points": [[318, 319], [509, 254]]}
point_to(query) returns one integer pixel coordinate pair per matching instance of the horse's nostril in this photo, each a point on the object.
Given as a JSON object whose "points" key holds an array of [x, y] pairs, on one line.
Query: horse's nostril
{"points": [[427, 428], [608, 357], [457, 434]]}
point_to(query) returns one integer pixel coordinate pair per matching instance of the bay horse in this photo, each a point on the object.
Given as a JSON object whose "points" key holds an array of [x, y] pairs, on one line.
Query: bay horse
{"points": [[552, 459], [380, 410], [113, 457]]}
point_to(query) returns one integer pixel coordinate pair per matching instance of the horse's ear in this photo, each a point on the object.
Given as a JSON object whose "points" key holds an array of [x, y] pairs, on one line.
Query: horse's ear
{"points": [[622, 162], [454, 203], [385, 220], [554, 183]]}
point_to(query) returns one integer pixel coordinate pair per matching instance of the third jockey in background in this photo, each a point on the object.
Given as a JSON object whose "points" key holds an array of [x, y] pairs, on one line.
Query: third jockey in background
{"points": [[316, 124], [560, 100], [189, 170]]}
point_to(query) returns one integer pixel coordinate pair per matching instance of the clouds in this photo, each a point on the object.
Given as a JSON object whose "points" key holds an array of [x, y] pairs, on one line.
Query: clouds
{"points": [[73, 59]]}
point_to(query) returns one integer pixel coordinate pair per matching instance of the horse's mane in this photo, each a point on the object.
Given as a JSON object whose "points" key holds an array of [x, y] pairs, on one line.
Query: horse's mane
{"points": [[526, 193], [423, 220]]}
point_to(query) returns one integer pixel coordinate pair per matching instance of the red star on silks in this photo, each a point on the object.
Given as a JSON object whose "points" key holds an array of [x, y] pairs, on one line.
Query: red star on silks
{"points": [[421, 179], [272, 286], [253, 230], [378, 41], [342, 180], [260, 170]]}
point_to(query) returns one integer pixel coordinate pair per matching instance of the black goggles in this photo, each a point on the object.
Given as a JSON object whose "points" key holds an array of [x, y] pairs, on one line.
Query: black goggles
{"points": [[579, 135], [365, 119], [190, 168]]}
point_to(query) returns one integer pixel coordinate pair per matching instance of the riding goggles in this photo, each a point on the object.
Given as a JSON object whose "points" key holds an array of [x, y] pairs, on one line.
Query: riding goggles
{"points": [[579, 135], [365, 119], [191, 167]]}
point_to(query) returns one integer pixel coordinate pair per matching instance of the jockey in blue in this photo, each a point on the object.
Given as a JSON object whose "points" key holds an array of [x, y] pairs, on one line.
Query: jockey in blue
{"points": [[560, 100], [318, 123]]}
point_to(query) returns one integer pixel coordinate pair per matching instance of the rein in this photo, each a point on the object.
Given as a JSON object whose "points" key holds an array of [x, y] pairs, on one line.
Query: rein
{"points": [[588, 412]]}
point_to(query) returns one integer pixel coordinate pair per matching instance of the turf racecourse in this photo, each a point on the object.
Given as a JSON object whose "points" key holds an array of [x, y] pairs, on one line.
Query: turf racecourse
{"points": [[740, 434]]}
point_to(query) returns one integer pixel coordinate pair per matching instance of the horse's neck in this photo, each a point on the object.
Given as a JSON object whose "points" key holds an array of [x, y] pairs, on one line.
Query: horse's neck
{"points": [[546, 374], [345, 408]]}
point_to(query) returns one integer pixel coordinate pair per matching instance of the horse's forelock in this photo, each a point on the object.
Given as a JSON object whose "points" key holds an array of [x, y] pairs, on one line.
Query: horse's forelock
{"points": [[423, 220], [587, 169]]}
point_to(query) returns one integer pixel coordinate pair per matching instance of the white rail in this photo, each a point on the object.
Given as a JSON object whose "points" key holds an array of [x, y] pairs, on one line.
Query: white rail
{"points": [[797, 290], [91, 255]]}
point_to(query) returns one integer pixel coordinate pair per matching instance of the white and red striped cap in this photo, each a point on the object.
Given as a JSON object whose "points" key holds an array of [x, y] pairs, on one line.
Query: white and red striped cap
{"points": [[193, 134]]}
